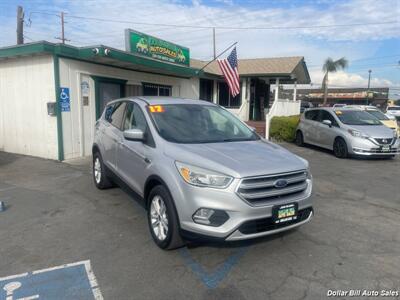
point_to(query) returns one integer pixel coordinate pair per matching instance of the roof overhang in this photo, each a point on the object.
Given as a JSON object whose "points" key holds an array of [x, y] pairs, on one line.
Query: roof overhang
{"points": [[101, 55], [298, 73]]}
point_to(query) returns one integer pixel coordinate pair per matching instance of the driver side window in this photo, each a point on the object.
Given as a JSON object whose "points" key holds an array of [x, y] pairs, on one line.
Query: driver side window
{"points": [[134, 118], [324, 115]]}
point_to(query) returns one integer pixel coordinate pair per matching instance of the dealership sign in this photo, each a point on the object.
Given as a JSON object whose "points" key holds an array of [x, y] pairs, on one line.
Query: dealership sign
{"points": [[149, 46]]}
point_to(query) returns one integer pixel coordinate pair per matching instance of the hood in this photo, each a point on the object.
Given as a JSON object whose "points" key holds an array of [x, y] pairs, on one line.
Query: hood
{"points": [[378, 131], [238, 159], [390, 123]]}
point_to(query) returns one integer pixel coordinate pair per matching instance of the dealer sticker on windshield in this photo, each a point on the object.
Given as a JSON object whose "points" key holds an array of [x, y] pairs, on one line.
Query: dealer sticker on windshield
{"points": [[285, 213]]}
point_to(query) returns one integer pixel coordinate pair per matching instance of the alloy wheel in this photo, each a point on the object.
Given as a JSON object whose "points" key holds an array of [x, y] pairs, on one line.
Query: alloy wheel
{"points": [[97, 170], [159, 218]]}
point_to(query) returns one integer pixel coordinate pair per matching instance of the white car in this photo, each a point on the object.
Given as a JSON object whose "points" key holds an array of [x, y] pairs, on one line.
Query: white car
{"points": [[393, 111]]}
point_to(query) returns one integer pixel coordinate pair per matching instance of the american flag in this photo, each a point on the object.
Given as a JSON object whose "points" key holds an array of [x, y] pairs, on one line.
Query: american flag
{"points": [[229, 68]]}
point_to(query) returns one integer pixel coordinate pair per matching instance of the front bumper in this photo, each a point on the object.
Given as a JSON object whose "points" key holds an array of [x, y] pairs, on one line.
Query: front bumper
{"points": [[241, 213], [365, 147]]}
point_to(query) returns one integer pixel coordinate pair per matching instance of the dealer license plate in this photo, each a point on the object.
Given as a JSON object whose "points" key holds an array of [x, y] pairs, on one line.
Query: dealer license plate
{"points": [[285, 213]]}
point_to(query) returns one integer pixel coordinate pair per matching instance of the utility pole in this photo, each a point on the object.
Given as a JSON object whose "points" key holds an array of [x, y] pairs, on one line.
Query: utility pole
{"points": [[214, 47], [62, 28], [20, 25], [369, 83], [62, 38]]}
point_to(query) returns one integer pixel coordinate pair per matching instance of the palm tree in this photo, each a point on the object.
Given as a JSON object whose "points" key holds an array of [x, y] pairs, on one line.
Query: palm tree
{"points": [[331, 66]]}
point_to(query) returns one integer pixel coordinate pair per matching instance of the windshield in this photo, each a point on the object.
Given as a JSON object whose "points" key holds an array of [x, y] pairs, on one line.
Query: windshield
{"points": [[356, 117], [378, 114], [393, 108], [191, 123]]}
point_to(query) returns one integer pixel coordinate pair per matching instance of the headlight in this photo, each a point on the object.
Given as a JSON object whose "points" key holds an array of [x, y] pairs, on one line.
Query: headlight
{"points": [[202, 177], [357, 133]]}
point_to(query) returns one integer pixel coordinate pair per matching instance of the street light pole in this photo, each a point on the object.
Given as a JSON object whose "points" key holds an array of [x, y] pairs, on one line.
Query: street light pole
{"points": [[369, 83]]}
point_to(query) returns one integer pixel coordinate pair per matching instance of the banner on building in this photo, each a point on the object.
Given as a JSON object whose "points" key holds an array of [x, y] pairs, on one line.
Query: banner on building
{"points": [[146, 45]]}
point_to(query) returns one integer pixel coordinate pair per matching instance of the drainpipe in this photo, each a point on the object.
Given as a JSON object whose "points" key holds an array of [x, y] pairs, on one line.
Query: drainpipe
{"points": [[295, 91]]}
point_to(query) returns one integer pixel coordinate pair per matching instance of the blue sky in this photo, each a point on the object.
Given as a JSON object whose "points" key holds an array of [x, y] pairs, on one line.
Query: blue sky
{"points": [[375, 47]]}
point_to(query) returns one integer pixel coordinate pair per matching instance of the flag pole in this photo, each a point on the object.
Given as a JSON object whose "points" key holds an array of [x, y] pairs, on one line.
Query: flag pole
{"points": [[198, 71]]}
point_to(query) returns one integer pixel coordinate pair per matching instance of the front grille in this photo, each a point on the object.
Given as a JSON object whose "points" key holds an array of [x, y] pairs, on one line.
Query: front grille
{"points": [[258, 190], [384, 141], [267, 224]]}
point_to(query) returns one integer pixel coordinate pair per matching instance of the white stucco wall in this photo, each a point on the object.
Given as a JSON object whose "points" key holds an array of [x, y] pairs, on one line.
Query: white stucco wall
{"points": [[26, 85], [71, 72]]}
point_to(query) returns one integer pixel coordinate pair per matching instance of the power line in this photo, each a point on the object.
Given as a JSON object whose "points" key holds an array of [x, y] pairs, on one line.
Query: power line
{"points": [[231, 27]]}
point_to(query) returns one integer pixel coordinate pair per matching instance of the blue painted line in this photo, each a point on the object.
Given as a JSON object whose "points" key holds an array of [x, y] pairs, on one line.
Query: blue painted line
{"points": [[212, 280]]}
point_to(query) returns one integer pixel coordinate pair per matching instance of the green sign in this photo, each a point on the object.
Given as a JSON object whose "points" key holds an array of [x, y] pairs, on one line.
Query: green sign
{"points": [[146, 45]]}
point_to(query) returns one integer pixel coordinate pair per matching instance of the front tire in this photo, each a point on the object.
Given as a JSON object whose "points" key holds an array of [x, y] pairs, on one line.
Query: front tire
{"points": [[340, 148], [99, 171], [163, 220]]}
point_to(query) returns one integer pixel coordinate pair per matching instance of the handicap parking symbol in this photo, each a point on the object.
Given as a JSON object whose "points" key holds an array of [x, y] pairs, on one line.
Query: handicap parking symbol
{"points": [[65, 99], [70, 281]]}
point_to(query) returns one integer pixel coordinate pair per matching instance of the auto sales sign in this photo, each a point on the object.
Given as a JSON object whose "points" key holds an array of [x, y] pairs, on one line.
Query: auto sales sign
{"points": [[149, 46]]}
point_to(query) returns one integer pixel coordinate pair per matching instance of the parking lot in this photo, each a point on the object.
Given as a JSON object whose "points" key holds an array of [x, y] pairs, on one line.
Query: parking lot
{"points": [[56, 216]]}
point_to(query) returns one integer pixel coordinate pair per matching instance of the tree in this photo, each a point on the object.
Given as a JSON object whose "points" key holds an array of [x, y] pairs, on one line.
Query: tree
{"points": [[331, 66]]}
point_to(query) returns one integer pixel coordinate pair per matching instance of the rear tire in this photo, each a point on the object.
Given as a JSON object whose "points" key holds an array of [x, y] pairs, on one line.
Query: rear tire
{"points": [[299, 139], [163, 220], [340, 148], [100, 177]]}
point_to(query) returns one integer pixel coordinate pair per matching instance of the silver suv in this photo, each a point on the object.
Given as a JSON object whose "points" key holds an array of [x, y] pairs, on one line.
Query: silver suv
{"points": [[347, 131], [200, 171]]}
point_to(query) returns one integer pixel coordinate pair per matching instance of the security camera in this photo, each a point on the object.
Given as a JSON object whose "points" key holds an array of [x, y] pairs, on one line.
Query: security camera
{"points": [[107, 51], [95, 51]]}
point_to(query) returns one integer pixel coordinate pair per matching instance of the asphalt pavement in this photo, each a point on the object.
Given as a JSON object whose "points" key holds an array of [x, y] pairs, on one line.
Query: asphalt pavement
{"points": [[55, 217]]}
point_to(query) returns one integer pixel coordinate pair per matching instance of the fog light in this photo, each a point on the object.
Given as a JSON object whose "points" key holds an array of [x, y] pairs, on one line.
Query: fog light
{"points": [[211, 217]]}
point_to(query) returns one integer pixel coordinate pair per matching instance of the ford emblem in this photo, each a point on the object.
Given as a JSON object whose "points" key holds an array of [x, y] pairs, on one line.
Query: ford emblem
{"points": [[280, 183]]}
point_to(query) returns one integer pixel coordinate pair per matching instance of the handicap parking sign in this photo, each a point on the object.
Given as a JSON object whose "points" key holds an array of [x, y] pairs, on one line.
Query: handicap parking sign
{"points": [[65, 100], [71, 281]]}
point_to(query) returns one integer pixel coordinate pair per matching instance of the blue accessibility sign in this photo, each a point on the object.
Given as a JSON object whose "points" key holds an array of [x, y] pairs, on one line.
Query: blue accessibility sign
{"points": [[65, 101], [71, 281]]}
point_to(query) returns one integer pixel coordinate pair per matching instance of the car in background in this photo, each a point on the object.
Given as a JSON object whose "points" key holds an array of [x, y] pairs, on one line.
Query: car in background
{"points": [[393, 111], [380, 115], [347, 131], [305, 105], [339, 105]]}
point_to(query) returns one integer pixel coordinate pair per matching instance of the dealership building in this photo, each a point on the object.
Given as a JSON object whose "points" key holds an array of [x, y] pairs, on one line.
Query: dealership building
{"points": [[52, 94]]}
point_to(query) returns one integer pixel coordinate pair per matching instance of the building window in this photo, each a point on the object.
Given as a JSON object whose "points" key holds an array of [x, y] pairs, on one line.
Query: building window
{"points": [[151, 89], [225, 98], [206, 89]]}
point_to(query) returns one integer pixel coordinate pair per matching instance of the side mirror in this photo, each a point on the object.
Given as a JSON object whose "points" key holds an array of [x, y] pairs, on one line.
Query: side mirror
{"points": [[327, 122], [134, 135]]}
